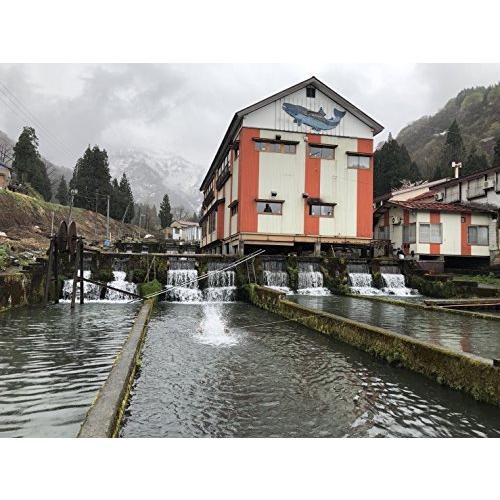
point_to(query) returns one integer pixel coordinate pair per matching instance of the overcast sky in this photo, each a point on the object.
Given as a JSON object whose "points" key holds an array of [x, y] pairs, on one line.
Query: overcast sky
{"points": [[185, 109]]}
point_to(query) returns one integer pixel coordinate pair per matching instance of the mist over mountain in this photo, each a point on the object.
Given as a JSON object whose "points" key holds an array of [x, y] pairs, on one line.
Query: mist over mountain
{"points": [[477, 112], [152, 174]]}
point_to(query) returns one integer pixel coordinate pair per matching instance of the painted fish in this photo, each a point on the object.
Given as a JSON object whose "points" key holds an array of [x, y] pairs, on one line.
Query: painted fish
{"points": [[315, 119]]}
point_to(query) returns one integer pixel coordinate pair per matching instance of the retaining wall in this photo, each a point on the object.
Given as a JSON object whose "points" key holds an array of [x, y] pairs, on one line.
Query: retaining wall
{"points": [[471, 374], [106, 412]]}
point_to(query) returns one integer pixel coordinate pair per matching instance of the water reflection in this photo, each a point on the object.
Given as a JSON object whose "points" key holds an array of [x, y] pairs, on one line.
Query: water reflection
{"points": [[462, 333], [282, 379], [52, 362]]}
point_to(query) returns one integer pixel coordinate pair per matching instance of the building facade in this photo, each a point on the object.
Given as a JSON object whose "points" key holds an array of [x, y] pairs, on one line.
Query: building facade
{"points": [[455, 221], [5, 175], [182, 230], [293, 172]]}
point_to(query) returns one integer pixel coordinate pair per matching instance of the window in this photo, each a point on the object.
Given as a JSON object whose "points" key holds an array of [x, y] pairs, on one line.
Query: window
{"points": [[211, 221], [321, 210], [409, 233], [430, 233], [275, 147], [321, 151], [358, 161], [269, 207], [452, 193], [475, 188], [311, 92], [478, 235], [234, 209], [236, 151], [382, 233]]}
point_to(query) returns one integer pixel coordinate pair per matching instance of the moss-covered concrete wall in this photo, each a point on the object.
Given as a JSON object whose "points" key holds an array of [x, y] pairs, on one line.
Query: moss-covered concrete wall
{"points": [[473, 375], [23, 288]]}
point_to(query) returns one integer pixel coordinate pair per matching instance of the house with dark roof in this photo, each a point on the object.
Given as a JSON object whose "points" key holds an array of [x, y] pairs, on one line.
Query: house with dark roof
{"points": [[294, 172], [443, 226]]}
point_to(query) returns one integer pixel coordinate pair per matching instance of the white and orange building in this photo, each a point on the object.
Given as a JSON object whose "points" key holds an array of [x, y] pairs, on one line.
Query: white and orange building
{"points": [[435, 231], [294, 172]]}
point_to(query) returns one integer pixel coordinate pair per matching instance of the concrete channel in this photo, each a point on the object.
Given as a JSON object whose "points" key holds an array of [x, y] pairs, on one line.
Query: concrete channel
{"points": [[471, 374], [104, 416]]}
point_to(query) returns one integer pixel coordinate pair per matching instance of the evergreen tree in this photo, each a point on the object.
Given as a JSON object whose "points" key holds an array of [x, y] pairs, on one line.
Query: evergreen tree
{"points": [[116, 203], [453, 151], [474, 162], [127, 199], [495, 162], [165, 213], [90, 176], [393, 166], [62, 192], [29, 166]]}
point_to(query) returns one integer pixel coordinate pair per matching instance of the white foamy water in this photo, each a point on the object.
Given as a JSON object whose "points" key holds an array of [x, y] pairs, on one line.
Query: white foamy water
{"points": [[362, 284], [182, 285], [213, 329], [93, 292], [395, 285], [310, 280]]}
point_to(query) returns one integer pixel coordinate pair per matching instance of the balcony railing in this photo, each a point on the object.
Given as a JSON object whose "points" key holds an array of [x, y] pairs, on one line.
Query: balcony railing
{"points": [[223, 177]]}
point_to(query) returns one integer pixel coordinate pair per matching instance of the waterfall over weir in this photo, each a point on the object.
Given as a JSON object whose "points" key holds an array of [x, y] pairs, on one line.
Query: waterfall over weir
{"points": [[95, 293], [183, 287], [310, 280], [361, 280], [275, 276], [395, 285]]}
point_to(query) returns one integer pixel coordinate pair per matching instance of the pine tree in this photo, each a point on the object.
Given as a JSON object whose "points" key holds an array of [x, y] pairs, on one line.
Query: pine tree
{"points": [[127, 199], [28, 164], [495, 162], [453, 151], [90, 176], [165, 213], [62, 192], [393, 166], [474, 162]]}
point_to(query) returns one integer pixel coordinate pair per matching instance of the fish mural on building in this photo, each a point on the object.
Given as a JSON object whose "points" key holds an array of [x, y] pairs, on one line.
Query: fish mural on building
{"points": [[314, 119]]}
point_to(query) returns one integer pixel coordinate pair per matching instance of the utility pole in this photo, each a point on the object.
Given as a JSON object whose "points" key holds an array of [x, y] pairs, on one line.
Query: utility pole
{"points": [[73, 193], [107, 221]]}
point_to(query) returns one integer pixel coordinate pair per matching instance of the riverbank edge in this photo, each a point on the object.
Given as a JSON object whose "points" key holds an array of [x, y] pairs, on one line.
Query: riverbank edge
{"points": [[416, 305], [104, 417], [471, 374]]}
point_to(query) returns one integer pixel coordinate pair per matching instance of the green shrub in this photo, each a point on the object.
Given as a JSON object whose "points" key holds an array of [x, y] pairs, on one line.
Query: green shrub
{"points": [[150, 287], [3, 257]]}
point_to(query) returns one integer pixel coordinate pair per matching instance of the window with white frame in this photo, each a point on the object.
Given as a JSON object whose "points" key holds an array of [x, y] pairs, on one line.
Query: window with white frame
{"points": [[358, 161], [430, 233], [478, 235]]}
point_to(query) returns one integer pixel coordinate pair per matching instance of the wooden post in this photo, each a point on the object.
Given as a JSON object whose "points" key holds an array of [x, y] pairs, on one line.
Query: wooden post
{"points": [[80, 246], [49, 272], [75, 277], [56, 272]]}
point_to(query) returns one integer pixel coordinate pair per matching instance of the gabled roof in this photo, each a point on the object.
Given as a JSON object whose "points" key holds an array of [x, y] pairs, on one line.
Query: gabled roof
{"points": [[239, 115], [436, 206]]}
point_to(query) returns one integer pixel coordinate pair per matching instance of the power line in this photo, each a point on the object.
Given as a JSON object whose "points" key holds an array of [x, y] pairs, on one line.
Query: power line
{"points": [[24, 108]]}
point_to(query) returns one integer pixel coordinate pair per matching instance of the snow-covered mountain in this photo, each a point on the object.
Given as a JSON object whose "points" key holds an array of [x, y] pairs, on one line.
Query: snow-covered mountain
{"points": [[152, 174]]}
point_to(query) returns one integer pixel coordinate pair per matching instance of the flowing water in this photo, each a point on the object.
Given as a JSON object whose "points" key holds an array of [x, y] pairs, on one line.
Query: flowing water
{"points": [[275, 276], [310, 280], [52, 363], [461, 333], [221, 284], [94, 293], [234, 370]]}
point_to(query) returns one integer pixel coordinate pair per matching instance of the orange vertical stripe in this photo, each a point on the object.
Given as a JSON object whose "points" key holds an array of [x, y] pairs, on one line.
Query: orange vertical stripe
{"points": [[464, 230], [364, 187], [312, 187], [435, 248], [248, 181]]}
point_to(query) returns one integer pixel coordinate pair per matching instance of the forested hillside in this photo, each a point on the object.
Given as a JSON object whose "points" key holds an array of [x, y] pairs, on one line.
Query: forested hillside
{"points": [[477, 113]]}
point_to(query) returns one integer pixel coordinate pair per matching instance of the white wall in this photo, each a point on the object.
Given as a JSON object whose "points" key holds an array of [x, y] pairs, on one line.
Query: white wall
{"points": [[272, 116]]}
